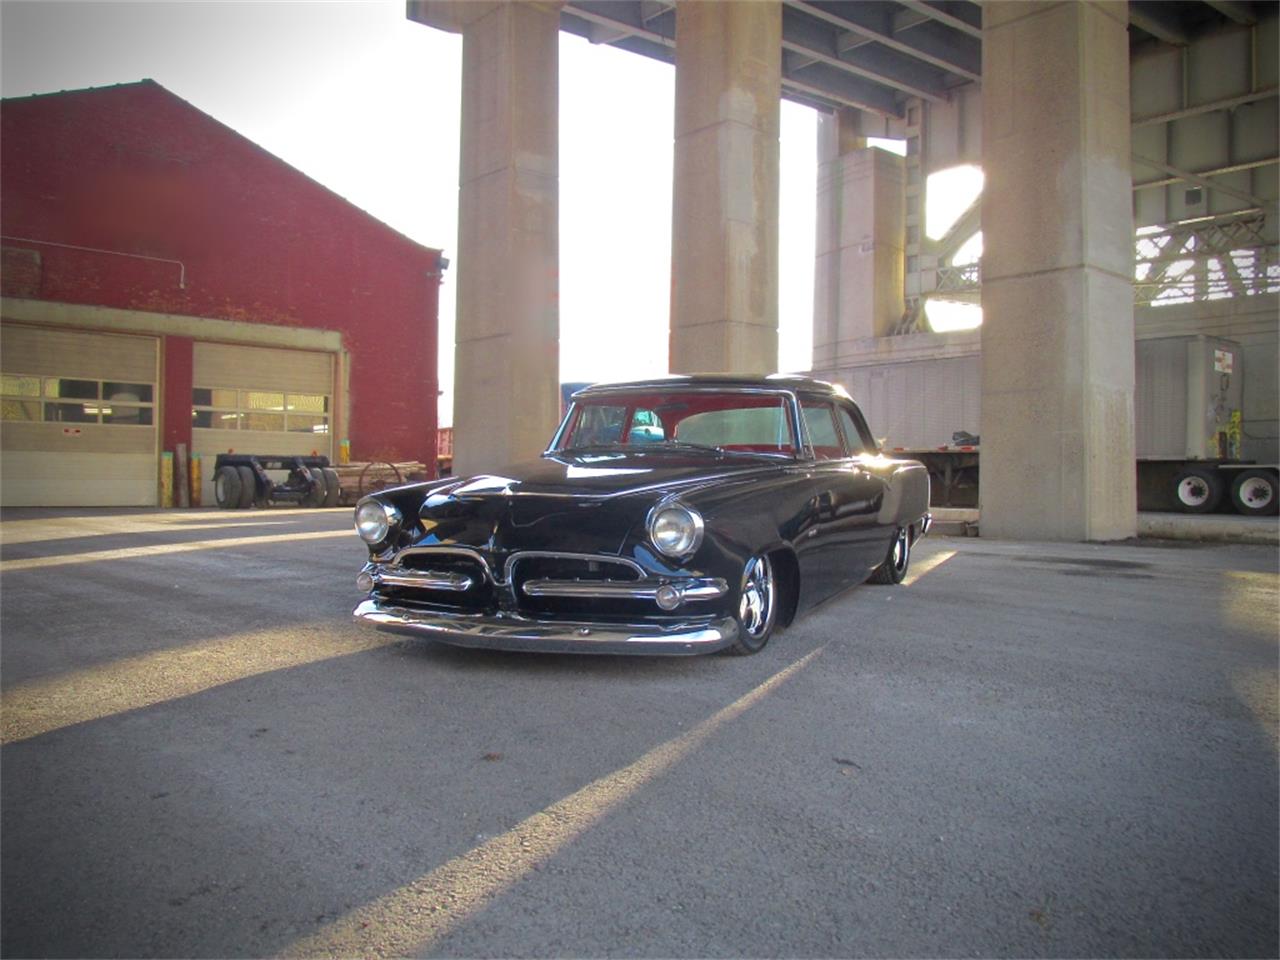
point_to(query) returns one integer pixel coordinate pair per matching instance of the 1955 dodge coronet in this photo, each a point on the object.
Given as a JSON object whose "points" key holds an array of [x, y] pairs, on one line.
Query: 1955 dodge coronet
{"points": [[674, 516]]}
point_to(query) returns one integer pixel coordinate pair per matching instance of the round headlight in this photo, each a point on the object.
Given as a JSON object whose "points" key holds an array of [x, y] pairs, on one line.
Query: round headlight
{"points": [[676, 530], [375, 519]]}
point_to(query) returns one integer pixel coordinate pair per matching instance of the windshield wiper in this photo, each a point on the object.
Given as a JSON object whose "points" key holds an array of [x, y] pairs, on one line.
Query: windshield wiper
{"points": [[604, 445], [689, 445]]}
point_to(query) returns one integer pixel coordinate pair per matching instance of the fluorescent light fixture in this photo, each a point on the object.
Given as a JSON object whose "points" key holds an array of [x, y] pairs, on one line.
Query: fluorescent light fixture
{"points": [[948, 316]]}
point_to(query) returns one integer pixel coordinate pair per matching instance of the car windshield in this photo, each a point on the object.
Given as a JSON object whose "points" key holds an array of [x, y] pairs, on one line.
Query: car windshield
{"points": [[717, 421]]}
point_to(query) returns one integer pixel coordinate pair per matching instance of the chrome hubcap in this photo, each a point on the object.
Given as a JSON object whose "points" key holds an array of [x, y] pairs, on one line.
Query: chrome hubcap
{"points": [[1193, 491], [900, 551], [1256, 492], [756, 606]]}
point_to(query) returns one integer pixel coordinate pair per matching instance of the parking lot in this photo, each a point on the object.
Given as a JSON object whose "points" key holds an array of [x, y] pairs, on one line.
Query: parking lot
{"points": [[1031, 750]]}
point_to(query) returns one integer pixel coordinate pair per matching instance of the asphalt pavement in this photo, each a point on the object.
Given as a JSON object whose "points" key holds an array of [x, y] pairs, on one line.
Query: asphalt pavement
{"points": [[1027, 750]]}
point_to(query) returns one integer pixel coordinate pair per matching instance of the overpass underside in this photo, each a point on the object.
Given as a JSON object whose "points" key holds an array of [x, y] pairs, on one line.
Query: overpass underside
{"points": [[1080, 115]]}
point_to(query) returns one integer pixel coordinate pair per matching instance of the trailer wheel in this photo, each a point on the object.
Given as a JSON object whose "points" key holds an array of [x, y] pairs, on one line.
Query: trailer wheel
{"points": [[1254, 493], [226, 488], [316, 495], [248, 486], [1197, 490], [332, 486]]}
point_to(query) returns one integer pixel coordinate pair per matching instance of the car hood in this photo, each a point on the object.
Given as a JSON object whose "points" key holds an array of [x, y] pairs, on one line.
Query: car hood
{"points": [[573, 504]]}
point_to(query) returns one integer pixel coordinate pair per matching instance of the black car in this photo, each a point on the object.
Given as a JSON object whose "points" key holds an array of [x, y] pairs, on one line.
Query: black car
{"points": [[675, 516]]}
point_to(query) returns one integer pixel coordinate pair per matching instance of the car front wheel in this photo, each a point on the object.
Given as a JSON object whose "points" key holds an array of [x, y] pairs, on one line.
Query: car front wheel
{"points": [[757, 606], [896, 560]]}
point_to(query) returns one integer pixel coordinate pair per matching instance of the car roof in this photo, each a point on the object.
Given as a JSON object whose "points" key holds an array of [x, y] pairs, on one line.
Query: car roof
{"points": [[726, 381]]}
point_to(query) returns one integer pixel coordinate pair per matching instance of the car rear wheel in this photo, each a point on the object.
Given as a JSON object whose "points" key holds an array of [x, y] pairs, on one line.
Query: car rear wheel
{"points": [[896, 560], [226, 488], [757, 607]]}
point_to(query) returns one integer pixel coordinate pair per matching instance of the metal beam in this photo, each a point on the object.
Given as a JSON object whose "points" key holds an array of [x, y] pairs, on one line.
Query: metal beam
{"points": [[841, 88], [855, 21], [812, 40], [625, 18], [1216, 172], [933, 13], [1200, 181], [1160, 22], [1234, 10], [1224, 104]]}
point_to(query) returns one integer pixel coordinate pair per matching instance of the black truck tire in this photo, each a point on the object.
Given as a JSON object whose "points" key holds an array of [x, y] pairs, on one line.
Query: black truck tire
{"points": [[1197, 490], [332, 486], [226, 488], [1254, 493], [248, 486], [315, 497]]}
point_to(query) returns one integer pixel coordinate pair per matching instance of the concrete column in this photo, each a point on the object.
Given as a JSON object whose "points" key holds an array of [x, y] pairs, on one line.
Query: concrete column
{"points": [[861, 243], [1057, 297], [507, 370], [724, 273]]}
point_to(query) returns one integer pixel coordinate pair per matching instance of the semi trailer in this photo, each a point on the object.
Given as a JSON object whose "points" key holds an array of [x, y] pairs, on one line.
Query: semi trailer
{"points": [[1193, 452]]}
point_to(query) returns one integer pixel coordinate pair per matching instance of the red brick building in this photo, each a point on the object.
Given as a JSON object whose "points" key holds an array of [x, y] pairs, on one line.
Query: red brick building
{"points": [[167, 281]]}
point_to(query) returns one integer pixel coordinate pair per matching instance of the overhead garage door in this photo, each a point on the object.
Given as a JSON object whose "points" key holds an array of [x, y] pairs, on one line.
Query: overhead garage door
{"points": [[78, 420], [259, 400]]}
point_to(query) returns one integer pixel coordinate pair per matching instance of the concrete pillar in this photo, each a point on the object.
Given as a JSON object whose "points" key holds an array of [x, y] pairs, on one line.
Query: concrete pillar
{"points": [[1057, 273], [861, 242], [724, 273], [507, 369]]}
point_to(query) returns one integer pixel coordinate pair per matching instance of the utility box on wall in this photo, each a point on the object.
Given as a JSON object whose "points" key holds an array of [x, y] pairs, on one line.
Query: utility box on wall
{"points": [[1188, 398]]}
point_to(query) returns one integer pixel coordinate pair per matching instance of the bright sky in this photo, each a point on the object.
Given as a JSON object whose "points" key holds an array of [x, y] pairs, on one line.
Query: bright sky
{"points": [[367, 103]]}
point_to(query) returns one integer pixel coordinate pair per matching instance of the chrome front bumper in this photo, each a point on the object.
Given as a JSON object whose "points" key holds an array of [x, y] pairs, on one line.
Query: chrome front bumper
{"points": [[505, 631]]}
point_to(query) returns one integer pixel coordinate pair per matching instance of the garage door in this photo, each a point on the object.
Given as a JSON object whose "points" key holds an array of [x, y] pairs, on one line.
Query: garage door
{"points": [[78, 424], [259, 400]]}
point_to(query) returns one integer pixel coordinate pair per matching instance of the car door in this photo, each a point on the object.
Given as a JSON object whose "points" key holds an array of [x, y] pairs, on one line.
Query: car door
{"points": [[872, 535], [840, 545]]}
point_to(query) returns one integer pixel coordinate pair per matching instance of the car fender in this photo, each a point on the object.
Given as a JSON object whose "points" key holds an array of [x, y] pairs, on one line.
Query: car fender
{"points": [[906, 497]]}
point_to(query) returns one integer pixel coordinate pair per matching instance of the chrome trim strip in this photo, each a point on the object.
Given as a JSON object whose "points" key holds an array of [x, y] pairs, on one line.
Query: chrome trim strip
{"points": [[515, 558], [421, 579], [509, 632], [694, 589], [475, 555]]}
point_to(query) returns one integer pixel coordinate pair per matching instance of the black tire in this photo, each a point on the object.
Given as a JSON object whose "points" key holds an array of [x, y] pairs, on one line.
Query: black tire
{"points": [[896, 561], [1197, 490], [332, 487], [226, 488], [757, 606], [248, 487], [315, 497], [1253, 493]]}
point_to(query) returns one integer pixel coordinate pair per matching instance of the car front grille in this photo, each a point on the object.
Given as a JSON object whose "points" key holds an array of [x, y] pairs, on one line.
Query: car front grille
{"points": [[455, 566], [577, 568]]}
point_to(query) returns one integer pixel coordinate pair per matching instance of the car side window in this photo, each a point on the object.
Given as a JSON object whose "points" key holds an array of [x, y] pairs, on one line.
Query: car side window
{"points": [[819, 420], [855, 433]]}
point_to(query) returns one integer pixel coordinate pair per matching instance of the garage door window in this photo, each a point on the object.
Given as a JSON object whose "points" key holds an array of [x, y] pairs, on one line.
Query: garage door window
{"points": [[260, 410], [70, 400]]}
